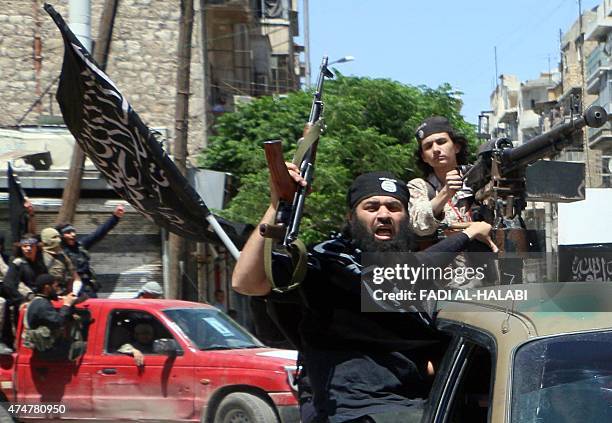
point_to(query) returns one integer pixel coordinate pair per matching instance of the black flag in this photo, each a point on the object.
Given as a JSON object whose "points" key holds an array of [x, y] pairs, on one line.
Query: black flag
{"points": [[124, 150], [17, 212]]}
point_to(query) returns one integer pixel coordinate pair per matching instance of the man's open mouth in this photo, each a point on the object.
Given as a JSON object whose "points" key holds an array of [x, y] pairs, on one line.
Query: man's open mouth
{"points": [[383, 232]]}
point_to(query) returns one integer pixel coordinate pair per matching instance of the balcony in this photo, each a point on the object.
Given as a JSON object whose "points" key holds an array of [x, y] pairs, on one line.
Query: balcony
{"points": [[570, 155], [602, 24], [235, 11], [508, 116], [601, 138], [529, 120], [597, 67]]}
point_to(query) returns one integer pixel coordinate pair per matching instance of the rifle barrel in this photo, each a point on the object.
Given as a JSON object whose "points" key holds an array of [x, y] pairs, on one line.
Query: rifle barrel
{"points": [[315, 110]]}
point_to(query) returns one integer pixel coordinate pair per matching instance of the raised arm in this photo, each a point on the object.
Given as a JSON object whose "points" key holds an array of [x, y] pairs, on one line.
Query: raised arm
{"points": [[249, 277], [31, 216], [93, 238]]}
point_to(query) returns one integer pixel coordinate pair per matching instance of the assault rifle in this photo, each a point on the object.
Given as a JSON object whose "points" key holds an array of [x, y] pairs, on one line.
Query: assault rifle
{"points": [[499, 176], [283, 233]]}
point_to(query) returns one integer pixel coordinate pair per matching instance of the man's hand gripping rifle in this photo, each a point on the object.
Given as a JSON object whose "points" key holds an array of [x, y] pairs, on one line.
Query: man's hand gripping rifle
{"points": [[283, 234]]}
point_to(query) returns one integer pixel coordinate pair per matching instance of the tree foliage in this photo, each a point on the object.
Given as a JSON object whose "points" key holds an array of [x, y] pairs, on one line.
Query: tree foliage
{"points": [[370, 126]]}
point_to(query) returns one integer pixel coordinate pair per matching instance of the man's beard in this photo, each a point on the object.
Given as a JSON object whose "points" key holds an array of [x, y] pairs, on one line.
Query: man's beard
{"points": [[53, 296], [365, 240]]}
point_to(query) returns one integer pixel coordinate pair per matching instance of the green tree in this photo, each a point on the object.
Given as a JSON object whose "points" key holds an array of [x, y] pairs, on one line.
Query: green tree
{"points": [[370, 126]]}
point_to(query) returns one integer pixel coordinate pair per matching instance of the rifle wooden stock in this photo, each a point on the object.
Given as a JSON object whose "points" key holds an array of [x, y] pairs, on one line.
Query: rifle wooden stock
{"points": [[284, 185]]}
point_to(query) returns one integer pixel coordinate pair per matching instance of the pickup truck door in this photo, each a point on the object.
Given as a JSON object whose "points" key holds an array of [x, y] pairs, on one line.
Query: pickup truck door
{"points": [[162, 389], [62, 382]]}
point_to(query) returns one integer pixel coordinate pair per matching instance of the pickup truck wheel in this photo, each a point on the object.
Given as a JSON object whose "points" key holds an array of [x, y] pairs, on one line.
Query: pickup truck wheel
{"points": [[240, 407]]}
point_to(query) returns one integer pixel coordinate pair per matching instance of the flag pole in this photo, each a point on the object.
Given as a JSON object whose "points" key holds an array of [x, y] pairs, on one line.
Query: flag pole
{"points": [[227, 242]]}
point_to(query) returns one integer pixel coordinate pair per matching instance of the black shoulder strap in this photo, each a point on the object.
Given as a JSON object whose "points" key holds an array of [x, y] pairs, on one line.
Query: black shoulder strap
{"points": [[431, 190]]}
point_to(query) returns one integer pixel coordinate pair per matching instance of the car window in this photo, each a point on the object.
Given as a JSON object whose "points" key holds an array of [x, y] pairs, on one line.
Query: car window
{"points": [[563, 379], [464, 380], [471, 400], [210, 329], [128, 326]]}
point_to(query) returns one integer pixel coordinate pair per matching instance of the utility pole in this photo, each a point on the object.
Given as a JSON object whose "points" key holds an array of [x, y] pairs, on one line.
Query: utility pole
{"points": [[561, 62], [201, 250], [72, 189], [181, 117], [306, 43], [204, 64], [585, 138], [495, 58], [37, 53]]}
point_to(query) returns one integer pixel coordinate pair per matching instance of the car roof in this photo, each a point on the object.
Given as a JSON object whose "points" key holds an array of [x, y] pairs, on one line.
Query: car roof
{"points": [[551, 308], [144, 303]]}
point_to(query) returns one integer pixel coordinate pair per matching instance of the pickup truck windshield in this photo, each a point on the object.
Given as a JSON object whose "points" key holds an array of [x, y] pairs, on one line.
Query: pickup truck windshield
{"points": [[210, 329], [564, 379]]}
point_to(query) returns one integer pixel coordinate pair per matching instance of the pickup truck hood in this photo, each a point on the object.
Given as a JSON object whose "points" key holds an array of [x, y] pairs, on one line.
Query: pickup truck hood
{"points": [[255, 358]]}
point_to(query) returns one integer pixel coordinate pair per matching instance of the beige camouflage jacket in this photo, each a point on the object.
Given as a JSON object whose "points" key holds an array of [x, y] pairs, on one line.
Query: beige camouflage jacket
{"points": [[422, 219], [59, 266]]}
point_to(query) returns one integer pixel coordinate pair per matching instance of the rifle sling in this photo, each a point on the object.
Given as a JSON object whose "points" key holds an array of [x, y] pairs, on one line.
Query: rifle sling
{"points": [[299, 259], [305, 143], [297, 250]]}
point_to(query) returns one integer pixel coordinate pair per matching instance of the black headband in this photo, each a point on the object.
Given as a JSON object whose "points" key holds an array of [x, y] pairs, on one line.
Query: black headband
{"points": [[28, 241], [377, 183], [433, 125], [66, 229]]}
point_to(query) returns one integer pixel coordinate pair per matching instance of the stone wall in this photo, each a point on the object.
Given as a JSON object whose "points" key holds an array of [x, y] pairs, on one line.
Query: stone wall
{"points": [[142, 60]]}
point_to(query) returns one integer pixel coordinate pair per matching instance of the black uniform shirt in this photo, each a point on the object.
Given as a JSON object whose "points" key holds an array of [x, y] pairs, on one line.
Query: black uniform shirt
{"points": [[355, 363]]}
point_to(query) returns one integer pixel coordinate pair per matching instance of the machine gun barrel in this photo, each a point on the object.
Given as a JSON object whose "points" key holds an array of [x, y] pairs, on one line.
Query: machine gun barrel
{"points": [[510, 159], [552, 141]]}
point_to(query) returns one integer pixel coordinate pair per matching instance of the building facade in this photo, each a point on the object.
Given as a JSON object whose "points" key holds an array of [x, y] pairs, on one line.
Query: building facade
{"points": [[598, 73], [245, 48], [240, 49], [522, 110]]}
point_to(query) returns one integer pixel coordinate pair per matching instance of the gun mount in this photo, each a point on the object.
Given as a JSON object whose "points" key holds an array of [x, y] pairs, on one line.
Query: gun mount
{"points": [[498, 178], [499, 173]]}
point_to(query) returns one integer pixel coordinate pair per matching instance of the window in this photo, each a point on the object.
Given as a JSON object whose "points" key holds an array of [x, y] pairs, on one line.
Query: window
{"points": [[137, 328], [464, 382], [471, 399], [563, 379], [210, 329], [606, 171]]}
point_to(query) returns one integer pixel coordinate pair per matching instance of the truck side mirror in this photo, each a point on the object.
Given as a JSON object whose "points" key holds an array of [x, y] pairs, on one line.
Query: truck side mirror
{"points": [[167, 347]]}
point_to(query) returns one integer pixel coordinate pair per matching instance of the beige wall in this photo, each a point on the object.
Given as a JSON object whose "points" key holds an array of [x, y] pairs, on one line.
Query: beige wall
{"points": [[142, 62]]}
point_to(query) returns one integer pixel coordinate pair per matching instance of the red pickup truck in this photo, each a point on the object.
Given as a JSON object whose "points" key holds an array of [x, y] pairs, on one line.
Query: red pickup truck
{"points": [[203, 367]]}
